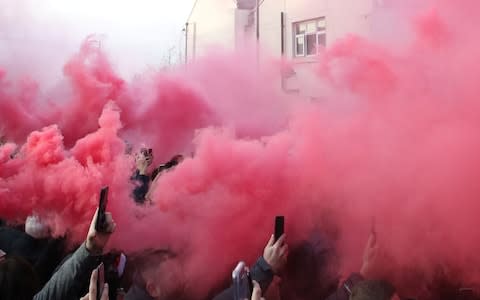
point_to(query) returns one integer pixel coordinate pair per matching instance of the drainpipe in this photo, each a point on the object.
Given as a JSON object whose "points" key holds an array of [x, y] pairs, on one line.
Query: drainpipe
{"points": [[258, 31], [282, 46], [186, 43]]}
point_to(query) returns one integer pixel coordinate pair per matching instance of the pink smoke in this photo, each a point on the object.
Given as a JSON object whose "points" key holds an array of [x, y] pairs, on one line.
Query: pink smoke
{"points": [[395, 138]]}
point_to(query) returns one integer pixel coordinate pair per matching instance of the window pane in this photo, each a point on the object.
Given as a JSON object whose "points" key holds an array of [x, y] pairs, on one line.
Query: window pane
{"points": [[300, 28], [322, 39], [321, 24], [311, 44], [312, 27], [300, 46]]}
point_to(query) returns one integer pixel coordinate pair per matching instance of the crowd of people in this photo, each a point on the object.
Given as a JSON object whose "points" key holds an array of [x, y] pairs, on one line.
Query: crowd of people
{"points": [[35, 266]]}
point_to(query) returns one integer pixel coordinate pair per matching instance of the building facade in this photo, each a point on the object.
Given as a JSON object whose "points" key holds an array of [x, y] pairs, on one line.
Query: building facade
{"points": [[293, 29]]}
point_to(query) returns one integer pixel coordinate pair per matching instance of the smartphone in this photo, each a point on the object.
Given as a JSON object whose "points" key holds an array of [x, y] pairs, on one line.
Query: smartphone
{"points": [[101, 223], [242, 282], [279, 227], [100, 280]]}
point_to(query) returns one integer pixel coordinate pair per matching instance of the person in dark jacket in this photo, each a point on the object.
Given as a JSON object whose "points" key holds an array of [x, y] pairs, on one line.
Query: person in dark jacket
{"points": [[311, 269], [267, 266], [73, 273], [141, 178], [41, 252], [18, 280]]}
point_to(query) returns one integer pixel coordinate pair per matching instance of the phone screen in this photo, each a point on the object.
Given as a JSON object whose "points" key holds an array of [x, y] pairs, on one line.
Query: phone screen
{"points": [[100, 280], [242, 282], [101, 223], [279, 227]]}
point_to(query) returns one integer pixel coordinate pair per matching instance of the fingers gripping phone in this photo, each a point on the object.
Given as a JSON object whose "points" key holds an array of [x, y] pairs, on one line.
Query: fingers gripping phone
{"points": [[279, 227], [101, 222], [100, 280], [242, 282]]}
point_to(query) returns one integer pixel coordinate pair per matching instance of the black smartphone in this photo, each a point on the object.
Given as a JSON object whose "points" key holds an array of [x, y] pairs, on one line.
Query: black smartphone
{"points": [[279, 227], [100, 280], [101, 222]]}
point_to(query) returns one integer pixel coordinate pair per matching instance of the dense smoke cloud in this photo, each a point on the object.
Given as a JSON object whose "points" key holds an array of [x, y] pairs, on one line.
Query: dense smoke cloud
{"points": [[393, 137]]}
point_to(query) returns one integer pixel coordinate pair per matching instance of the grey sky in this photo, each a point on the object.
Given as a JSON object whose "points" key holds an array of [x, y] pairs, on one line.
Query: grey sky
{"points": [[138, 34]]}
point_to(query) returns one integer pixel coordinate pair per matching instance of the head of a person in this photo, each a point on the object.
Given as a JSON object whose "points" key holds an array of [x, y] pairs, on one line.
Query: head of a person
{"points": [[160, 274], [373, 290], [310, 271], [18, 280]]}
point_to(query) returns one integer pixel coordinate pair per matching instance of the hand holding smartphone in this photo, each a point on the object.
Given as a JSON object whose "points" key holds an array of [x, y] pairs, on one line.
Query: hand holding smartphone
{"points": [[242, 282], [101, 222]]}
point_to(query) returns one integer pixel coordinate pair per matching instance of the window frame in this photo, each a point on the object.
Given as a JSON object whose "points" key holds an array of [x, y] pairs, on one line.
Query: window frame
{"points": [[319, 32], [297, 36]]}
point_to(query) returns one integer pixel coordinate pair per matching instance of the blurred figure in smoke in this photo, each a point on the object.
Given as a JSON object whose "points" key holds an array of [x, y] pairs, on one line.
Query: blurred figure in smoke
{"points": [[143, 160], [158, 275], [357, 288], [373, 290], [141, 177], [311, 270]]}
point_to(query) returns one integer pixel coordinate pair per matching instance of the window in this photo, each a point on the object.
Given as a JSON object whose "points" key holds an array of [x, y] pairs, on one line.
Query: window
{"points": [[310, 36]]}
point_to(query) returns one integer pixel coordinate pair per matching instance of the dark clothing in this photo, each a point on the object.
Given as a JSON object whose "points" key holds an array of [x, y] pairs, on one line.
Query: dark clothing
{"points": [[260, 272], [142, 184], [137, 293], [67, 283], [42, 254], [345, 290]]}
